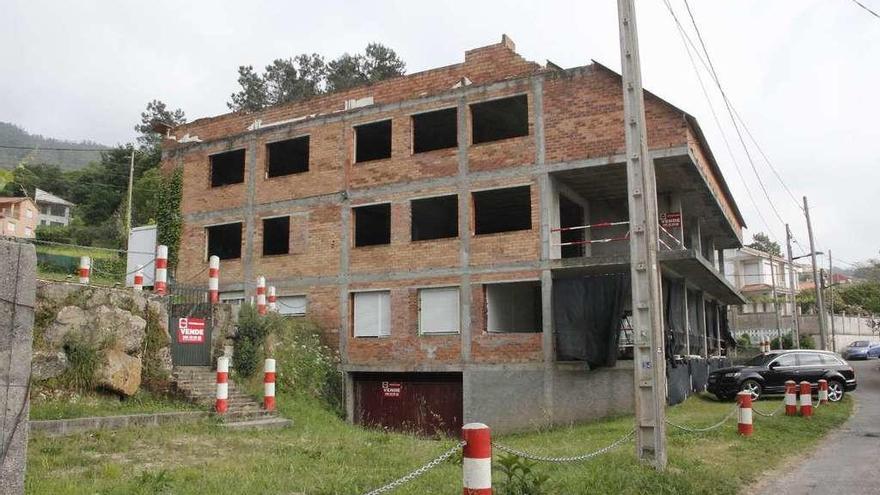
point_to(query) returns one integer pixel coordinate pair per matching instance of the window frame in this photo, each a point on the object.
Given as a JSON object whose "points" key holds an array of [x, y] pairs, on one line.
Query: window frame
{"points": [[412, 125], [421, 314], [243, 167], [263, 238], [268, 159], [471, 105], [354, 224], [208, 239], [355, 127], [354, 327]]}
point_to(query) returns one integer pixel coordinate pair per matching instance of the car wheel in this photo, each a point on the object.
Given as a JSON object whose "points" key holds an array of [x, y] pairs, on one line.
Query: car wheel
{"points": [[753, 388], [835, 391]]}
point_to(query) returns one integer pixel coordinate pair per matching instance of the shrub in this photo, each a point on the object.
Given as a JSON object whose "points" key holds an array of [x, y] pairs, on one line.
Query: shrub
{"points": [[154, 376], [304, 364], [249, 339], [519, 476], [83, 358]]}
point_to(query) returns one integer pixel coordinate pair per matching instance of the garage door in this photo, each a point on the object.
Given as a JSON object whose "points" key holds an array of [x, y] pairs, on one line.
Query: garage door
{"points": [[422, 403]]}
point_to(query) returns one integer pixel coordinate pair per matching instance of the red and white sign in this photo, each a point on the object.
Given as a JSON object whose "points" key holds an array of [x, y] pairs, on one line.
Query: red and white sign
{"points": [[391, 389], [670, 220], [191, 331]]}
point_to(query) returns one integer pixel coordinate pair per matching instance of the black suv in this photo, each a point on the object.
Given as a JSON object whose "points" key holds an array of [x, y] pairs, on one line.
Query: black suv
{"points": [[767, 373]]}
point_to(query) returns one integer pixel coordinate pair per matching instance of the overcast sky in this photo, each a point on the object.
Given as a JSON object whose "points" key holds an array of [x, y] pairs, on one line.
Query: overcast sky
{"points": [[803, 75]]}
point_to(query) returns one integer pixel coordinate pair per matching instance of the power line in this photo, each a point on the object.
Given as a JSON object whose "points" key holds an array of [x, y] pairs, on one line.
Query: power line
{"points": [[32, 148], [730, 111], [860, 4], [685, 40]]}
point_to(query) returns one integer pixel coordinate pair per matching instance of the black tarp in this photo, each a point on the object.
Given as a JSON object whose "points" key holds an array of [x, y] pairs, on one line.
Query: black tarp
{"points": [[728, 338], [694, 326], [678, 383], [711, 326], [586, 314], [699, 374], [673, 296]]}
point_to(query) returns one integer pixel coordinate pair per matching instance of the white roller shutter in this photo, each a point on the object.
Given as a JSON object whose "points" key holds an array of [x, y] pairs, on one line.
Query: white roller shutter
{"points": [[292, 305], [372, 314], [438, 310]]}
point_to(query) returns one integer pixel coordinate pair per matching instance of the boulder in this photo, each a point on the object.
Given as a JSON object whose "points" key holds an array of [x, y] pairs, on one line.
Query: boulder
{"points": [[119, 372], [165, 363], [123, 328], [48, 364], [70, 319]]}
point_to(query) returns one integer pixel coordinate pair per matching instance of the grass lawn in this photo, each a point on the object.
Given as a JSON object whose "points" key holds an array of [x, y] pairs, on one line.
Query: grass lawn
{"points": [[75, 251], [321, 454], [93, 404]]}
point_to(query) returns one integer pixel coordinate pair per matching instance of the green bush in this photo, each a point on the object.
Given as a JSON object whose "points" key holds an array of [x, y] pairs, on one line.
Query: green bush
{"points": [[304, 364], [249, 339], [53, 233], [518, 476]]}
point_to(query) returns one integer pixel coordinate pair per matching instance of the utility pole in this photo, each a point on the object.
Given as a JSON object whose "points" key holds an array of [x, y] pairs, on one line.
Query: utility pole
{"points": [[823, 333], [791, 284], [649, 353], [128, 206], [776, 302], [831, 290]]}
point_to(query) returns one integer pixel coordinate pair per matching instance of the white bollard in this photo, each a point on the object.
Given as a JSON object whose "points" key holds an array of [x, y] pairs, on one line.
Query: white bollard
{"points": [[214, 279], [161, 281], [261, 295], [222, 404], [476, 459], [269, 385], [273, 301], [138, 284], [85, 268]]}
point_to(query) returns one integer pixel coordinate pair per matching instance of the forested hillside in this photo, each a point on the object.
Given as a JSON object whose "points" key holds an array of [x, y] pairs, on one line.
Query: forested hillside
{"points": [[12, 136]]}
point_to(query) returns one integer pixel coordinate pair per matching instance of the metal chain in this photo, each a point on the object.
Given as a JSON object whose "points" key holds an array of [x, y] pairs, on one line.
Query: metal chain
{"points": [[577, 458], [769, 415], [418, 472], [708, 428]]}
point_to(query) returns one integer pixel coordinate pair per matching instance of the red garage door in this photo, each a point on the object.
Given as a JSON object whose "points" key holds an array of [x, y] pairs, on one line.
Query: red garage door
{"points": [[423, 403]]}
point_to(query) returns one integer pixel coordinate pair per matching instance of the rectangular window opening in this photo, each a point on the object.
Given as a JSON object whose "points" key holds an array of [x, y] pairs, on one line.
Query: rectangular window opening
{"points": [[287, 157], [276, 236], [435, 130], [438, 310], [291, 305], [500, 119], [227, 168], [434, 218], [372, 225], [571, 214], [373, 141], [224, 241], [502, 210], [371, 314], [513, 307]]}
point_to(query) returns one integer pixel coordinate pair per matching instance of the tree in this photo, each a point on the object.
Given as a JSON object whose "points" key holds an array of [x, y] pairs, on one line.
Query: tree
{"points": [[868, 270], [762, 242], [304, 76], [156, 111]]}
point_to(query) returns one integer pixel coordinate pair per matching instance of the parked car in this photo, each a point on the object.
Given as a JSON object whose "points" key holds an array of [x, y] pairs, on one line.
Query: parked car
{"points": [[766, 374], [862, 349]]}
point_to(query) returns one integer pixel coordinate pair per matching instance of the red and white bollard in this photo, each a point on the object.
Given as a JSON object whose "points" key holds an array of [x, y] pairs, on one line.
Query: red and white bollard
{"points": [[823, 391], [85, 267], [744, 413], [790, 398], [269, 385], [476, 459], [261, 295], [806, 400], [222, 404], [214, 279], [138, 283], [273, 301], [160, 284]]}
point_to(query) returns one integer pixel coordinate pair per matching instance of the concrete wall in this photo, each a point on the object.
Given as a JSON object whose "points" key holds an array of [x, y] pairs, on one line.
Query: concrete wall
{"points": [[512, 399]]}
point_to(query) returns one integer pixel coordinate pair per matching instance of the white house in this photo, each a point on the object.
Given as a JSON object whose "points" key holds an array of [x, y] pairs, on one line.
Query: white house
{"points": [[753, 272], [54, 211]]}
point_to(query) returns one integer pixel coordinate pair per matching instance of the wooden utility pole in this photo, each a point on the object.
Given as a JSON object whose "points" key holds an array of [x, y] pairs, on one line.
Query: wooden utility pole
{"points": [[649, 353], [831, 290], [791, 284], [820, 304], [776, 302], [128, 205]]}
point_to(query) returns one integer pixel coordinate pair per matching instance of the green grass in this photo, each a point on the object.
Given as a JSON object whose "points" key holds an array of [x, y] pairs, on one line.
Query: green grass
{"points": [[75, 251], [94, 404], [321, 454]]}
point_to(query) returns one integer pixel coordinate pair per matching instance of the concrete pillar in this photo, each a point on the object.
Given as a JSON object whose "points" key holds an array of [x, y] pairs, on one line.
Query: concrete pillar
{"points": [[18, 263]]}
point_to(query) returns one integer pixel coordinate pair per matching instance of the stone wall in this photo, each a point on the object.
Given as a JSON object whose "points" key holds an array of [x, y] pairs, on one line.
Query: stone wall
{"points": [[128, 330]]}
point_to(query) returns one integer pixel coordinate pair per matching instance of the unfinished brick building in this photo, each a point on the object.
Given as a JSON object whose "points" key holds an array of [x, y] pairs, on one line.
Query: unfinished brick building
{"points": [[460, 234]]}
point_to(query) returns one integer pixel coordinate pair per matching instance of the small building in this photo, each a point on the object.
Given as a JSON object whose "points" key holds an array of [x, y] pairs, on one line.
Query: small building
{"points": [[54, 211], [18, 217]]}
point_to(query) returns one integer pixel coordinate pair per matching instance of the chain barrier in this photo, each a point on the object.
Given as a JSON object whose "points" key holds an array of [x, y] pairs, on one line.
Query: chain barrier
{"points": [[418, 472], [582, 457], [708, 428], [769, 415]]}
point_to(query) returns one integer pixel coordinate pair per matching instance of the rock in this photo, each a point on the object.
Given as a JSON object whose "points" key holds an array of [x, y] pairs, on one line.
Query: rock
{"points": [[119, 372], [70, 319], [126, 330], [48, 364], [165, 363]]}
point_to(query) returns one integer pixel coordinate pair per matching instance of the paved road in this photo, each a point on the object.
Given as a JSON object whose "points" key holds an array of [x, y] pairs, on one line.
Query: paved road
{"points": [[847, 462]]}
